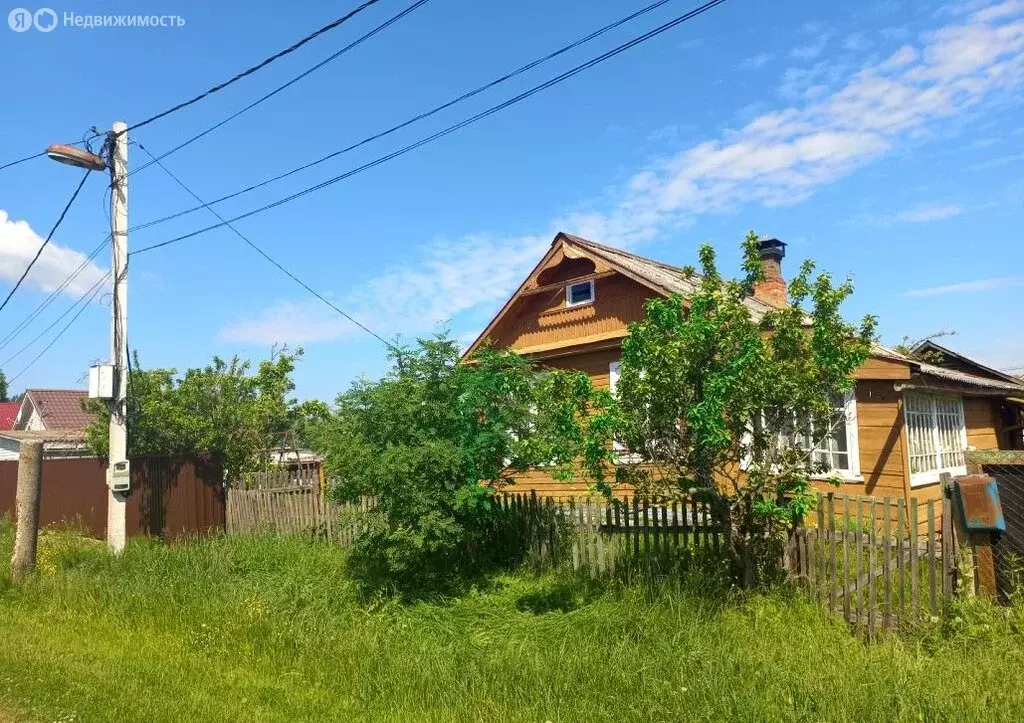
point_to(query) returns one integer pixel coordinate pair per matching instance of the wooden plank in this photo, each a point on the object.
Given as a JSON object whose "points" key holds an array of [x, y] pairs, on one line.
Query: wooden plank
{"points": [[618, 535], [846, 554], [819, 552], [675, 525], [932, 582], [886, 564], [915, 571], [901, 567], [872, 565], [636, 531], [695, 523], [656, 531], [947, 548], [832, 553], [665, 539], [858, 550]]}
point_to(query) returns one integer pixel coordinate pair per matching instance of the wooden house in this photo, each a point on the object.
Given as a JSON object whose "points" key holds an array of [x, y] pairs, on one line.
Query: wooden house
{"points": [[905, 421]]}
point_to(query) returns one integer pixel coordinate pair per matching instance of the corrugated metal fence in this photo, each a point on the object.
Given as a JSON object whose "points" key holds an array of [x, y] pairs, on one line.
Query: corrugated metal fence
{"points": [[168, 498]]}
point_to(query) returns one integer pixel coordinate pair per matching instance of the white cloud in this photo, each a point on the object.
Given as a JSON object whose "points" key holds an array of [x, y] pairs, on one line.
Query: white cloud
{"points": [[811, 51], [925, 212], [19, 243], [756, 62], [846, 119], [967, 287]]}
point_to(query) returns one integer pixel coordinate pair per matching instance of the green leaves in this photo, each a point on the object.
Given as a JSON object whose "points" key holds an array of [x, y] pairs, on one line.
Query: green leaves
{"points": [[431, 441], [711, 397], [222, 408]]}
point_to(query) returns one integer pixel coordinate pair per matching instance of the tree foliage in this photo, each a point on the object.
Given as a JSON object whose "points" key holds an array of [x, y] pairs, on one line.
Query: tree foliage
{"points": [[4, 393], [713, 399], [432, 441], [224, 408]]}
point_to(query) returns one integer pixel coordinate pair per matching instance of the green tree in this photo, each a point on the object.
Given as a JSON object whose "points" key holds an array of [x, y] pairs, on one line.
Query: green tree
{"points": [[3, 387], [729, 405], [432, 441], [223, 408]]}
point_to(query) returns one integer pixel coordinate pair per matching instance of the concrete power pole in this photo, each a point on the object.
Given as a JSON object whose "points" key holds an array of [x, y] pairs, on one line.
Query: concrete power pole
{"points": [[118, 478], [30, 475]]}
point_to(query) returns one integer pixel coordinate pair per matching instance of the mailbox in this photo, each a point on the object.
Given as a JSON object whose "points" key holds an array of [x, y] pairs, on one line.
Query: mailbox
{"points": [[979, 503]]}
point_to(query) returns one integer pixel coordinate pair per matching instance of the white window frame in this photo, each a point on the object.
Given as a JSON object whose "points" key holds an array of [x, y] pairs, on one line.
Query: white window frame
{"points": [[621, 455], [568, 293], [918, 479], [852, 473]]}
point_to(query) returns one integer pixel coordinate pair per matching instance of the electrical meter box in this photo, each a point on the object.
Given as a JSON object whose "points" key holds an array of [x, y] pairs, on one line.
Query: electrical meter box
{"points": [[101, 381], [118, 477], [978, 495]]}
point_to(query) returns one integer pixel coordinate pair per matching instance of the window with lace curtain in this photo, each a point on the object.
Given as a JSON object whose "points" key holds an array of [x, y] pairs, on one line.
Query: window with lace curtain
{"points": [[936, 436]]}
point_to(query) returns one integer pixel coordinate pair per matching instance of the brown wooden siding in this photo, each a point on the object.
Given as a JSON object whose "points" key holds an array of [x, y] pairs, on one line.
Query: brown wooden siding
{"points": [[543, 320], [881, 368], [981, 417]]}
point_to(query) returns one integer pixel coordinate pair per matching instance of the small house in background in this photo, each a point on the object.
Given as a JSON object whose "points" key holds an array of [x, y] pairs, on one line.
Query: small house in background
{"points": [[907, 419], [50, 409], [290, 458], [54, 416], [8, 414], [57, 443]]}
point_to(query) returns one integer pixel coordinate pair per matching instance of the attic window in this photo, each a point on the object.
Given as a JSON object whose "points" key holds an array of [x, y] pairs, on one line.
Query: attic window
{"points": [[581, 293]]}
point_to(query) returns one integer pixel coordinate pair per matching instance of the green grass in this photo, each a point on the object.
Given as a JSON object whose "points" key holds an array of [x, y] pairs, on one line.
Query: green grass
{"points": [[266, 629]]}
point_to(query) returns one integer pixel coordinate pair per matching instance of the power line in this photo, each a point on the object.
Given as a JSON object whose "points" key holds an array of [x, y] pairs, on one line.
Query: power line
{"points": [[54, 323], [267, 256], [83, 142], [426, 114], [24, 323], [277, 90], [35, 258], [61, 333], [262, 64], [452, 128], [22, 160]]}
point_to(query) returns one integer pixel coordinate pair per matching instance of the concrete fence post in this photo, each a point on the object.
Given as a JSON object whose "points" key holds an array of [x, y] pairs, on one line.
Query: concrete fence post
{"points": [[30, 476]]}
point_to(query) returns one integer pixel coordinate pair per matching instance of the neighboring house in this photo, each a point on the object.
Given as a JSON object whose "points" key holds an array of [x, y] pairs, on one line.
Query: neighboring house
{"points": [[57, 443], [906, 421], [8, 414], [50, 409]]}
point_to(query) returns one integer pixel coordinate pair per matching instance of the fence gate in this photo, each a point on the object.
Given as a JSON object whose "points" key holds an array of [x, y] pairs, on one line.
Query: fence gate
{"points": [[880, 562]]}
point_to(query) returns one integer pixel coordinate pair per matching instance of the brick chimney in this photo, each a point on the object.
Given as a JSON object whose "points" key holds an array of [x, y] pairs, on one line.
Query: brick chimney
{"points": [[773, 289]]}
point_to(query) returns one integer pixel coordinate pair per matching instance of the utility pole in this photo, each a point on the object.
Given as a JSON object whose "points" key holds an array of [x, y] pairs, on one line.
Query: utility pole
{"points": [[117, 470], [30, 475], [110, 382]]}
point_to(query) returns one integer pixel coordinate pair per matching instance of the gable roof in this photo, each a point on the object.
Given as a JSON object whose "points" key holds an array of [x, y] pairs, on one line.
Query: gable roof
{"points": [[662, 278], [8, 414], [956, 376], [930, 346], [60, 408]]}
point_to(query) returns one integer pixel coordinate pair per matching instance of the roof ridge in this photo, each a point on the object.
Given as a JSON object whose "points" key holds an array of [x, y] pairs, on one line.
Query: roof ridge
{"points": [[623, 252]]}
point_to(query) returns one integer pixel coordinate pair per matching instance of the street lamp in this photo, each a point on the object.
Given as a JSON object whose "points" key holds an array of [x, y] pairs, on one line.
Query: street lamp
{"points": [[75, 157]]}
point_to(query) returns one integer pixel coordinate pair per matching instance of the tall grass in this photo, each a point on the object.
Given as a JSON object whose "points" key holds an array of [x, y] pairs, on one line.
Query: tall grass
{"points": [[271, 629]]}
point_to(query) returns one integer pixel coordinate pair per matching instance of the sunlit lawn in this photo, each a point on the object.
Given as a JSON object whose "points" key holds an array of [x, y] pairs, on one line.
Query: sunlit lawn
{"points": [[270, 629]]}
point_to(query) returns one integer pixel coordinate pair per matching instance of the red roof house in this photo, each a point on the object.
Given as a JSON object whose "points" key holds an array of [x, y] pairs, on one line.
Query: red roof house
{"points": [[8, 414], [50, 409]]}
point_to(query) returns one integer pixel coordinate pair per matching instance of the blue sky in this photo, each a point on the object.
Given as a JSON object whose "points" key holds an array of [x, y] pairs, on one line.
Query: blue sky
{"points": [[883, 139]]}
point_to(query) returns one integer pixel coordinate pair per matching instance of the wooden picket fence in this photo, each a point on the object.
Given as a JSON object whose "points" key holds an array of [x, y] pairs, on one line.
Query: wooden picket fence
{"points": [[295, 508], [881, 563], [624, 536]]}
